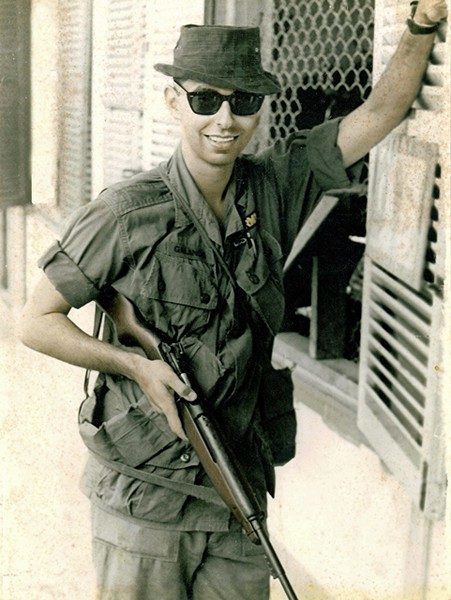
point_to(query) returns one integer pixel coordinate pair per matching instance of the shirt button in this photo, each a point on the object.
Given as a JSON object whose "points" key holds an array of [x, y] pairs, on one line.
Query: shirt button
{"points": [[205, 298], [253, 278], [161, 286], [186, 457]]}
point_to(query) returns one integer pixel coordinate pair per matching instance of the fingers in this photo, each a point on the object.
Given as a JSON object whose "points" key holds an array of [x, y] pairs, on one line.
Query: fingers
{"points": [[431, 11], [181, 388], [165, 404], [161, 384]]}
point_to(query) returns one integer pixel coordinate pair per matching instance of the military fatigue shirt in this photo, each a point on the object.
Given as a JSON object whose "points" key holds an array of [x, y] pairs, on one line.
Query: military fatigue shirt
{"points": [[137, 238]]}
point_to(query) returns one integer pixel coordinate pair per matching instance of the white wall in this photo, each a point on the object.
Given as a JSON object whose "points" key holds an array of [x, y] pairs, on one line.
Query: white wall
{"points": [[343, 524]]}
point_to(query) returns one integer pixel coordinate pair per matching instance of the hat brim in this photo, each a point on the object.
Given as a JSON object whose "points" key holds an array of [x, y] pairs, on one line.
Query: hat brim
{"points": [[264, 83]]}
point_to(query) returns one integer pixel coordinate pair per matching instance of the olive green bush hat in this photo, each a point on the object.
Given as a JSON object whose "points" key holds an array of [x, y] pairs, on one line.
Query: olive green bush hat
{"points": [[222, 56]]}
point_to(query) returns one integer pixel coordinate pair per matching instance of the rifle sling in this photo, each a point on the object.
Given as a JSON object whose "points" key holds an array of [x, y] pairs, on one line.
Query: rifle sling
{"points": [[206, 238], [201, 492], [198, 491]]}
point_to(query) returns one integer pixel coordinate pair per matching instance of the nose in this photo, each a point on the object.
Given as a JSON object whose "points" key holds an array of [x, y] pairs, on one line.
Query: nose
{"points": [[224, 116]]}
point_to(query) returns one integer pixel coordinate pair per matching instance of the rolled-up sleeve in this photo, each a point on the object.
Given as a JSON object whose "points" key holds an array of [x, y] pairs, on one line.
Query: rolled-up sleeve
{"points": [[91, 254], [300, 169], [325, 157]]}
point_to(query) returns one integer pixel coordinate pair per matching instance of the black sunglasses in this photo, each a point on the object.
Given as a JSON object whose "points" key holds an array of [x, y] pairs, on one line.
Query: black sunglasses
{"points": [[208, 102]]}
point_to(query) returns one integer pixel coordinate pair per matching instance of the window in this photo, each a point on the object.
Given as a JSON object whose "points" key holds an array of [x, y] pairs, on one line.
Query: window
{"points": [[322, 51]]}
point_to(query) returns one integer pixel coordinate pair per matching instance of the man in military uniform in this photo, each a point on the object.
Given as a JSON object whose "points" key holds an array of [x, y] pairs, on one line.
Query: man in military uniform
{"points": [[150, 540]]}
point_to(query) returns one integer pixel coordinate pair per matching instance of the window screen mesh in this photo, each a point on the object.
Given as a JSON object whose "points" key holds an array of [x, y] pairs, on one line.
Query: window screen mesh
{"points": [[322, 56], [321, 52]]}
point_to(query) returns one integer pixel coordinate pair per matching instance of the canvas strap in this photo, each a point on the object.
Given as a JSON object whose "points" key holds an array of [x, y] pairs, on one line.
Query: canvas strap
{"points": [[201, 492], [206, 238]]}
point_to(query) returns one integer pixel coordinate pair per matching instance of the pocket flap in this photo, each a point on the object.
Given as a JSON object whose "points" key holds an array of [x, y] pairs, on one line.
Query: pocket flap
{"points": [[181, 281]]}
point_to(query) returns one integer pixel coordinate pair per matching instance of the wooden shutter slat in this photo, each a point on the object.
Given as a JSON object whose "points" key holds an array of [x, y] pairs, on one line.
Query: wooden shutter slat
{"points": [[404, 396], [385, 299], [417, 302], [398, 412], [397, 346], [400, 330], [163, 132], [377, 348], [410, 456], [74, 173]]}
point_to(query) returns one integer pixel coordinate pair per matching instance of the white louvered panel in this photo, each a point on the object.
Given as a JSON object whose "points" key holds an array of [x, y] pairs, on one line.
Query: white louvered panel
{"points": [[411, 337], [398, 402], [405, 460], [410, 400], [416, 301], [161, 133], [400, 413], [392, 390], [434, 272], [395, 396], [396, 346], [125, 48], [123, 89], [123, 146], [165, 136], [385, 298], [377, 349], [75, 81]]}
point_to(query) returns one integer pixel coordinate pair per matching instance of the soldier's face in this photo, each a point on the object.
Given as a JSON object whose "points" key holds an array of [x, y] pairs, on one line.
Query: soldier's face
{"points": [[213, 139]]}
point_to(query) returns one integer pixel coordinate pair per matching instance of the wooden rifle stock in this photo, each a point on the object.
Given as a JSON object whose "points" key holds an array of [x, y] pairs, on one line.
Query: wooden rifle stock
{"points": [[216, 458]]}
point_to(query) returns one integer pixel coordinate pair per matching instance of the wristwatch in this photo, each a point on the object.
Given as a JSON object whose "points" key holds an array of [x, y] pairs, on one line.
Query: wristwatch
{"points": [[416, 29]]}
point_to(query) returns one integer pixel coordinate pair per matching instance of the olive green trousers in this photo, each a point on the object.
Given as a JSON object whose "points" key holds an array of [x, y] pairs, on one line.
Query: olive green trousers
{"points": [[142, 563]]}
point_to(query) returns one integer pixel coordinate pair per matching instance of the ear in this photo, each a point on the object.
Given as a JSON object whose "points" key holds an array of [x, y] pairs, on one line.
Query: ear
{"points": [[172, 101]]}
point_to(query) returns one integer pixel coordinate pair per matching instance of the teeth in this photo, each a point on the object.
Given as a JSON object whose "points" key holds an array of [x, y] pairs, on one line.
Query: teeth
{"points": [[220, 139]]}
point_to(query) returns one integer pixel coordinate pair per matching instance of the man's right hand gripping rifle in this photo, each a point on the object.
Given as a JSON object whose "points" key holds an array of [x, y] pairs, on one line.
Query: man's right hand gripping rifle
{"points": [[198, 426]]}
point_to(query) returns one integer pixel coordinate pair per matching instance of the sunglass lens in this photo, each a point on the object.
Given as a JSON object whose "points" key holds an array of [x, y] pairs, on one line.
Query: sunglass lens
{"points": [[243, 103], [205, 103], [209, 102]]}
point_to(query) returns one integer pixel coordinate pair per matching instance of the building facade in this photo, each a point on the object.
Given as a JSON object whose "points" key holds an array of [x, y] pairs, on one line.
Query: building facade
{"points": [[361, 511]]}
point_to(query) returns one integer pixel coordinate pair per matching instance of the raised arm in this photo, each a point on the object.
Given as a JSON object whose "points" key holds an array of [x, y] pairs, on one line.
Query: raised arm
{"points": [[394, 93], [46, 328]]}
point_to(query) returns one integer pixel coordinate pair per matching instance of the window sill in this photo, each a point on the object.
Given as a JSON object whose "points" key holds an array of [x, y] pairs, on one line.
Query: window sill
{"points": [[328, 387]]}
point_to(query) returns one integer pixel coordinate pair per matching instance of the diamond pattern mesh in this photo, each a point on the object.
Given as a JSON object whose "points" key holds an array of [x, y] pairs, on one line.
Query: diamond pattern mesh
{"points": [[322, 55], [321, 52]]}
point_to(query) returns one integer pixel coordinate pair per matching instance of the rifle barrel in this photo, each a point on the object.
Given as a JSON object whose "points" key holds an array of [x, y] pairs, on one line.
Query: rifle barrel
{"points": [[275, 565]]}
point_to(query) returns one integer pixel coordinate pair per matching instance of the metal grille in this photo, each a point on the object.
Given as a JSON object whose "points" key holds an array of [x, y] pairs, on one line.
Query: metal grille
{"points": [[322, 55], [321, 52]]}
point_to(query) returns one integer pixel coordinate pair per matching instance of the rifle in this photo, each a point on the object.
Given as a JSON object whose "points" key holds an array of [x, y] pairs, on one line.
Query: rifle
{"points": [[216, 458]]}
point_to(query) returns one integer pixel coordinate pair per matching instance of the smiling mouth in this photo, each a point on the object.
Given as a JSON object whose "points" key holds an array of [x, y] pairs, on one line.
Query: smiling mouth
{"points": [[222, 139]]}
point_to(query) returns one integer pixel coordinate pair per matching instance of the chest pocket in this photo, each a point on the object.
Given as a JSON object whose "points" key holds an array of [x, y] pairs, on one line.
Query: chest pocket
{"points": [[260, 275], [179, 295]]}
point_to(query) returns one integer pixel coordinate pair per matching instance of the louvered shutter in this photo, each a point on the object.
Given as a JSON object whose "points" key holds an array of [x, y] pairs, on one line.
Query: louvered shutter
{"points": [[14, 102], [74, 156], [123, 96], [163, 28], [401, 378]]}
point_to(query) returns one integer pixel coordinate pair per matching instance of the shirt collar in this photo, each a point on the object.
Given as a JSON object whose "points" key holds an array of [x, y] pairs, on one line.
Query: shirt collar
{"points": [[237, 196]]}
